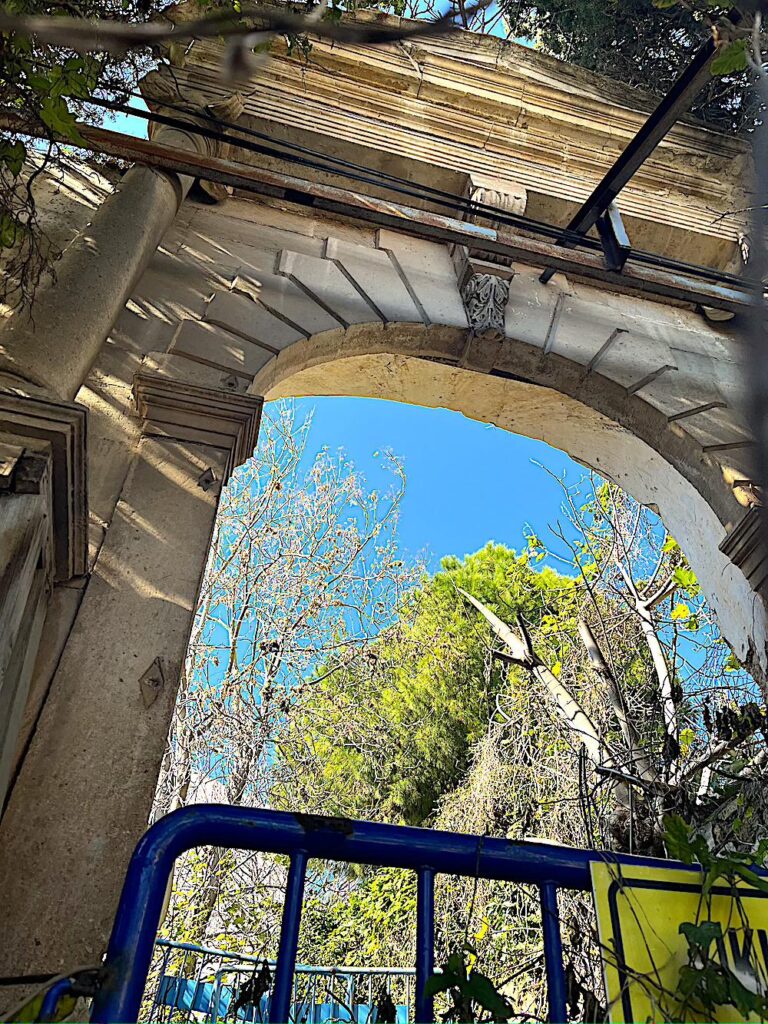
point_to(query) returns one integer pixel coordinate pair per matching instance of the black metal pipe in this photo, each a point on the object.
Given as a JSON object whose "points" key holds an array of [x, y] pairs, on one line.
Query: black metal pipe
{"points": [[671, 108]]}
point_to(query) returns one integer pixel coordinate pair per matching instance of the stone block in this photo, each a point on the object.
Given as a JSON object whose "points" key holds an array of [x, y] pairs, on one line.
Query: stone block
{"points": [[431, 276], [242, 315], [692, 385], [632, 358], [326, 283], [219, 348], [374, 273], [530, 308], [283, 297]]}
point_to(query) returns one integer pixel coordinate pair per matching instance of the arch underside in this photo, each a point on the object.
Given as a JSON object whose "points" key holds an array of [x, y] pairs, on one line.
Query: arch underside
{"points": [[646, 393], [402, 363]]}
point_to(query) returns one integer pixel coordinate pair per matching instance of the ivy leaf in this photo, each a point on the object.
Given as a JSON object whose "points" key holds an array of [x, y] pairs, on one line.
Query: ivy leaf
{"points": [[751, 877], [12, 156], [483, 991], [437, 983], [455, 965], [677, 837], [731, 59], [701, 936], [732, 663], [56, 115], [746, 1002], [664, 5], [11, 230]]}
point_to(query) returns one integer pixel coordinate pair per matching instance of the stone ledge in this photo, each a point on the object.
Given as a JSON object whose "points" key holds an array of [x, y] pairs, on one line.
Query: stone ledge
{"points": [[176, 408], [746, 547]]}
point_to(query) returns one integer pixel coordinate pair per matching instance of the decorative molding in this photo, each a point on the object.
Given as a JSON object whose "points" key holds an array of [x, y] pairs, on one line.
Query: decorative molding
{"points": [[485, 300], [509, 196], [745, 546], [26, 571], [497, 108], [173, 407], [36, 423]]}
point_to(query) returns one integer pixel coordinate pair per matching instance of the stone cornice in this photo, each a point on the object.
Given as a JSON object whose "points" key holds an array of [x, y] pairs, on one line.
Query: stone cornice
{"points": [[42, 423], [467, 103], [170, 405]]}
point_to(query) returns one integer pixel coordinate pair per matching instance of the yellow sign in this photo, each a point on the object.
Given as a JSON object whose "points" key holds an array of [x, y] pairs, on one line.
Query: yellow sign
{"points": [[639, 913]]}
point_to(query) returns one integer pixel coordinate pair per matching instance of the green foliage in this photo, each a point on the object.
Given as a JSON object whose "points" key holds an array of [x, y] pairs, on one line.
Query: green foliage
{"points": [[644, 43], [731, 59], [471, 993], [371, 924], [706, 982], [379, 743]]}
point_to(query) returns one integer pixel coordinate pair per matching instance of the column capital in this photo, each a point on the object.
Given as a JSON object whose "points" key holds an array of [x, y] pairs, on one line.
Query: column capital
{"points": [[158, 91], [509, 196]]}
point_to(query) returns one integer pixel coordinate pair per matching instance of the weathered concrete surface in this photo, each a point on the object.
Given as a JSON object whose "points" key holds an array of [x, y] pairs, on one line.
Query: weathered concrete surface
{"points": [[82, 796]]}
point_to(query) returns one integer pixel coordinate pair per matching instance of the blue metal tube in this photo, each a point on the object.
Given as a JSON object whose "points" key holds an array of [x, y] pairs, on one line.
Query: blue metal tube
{"points": [[553, 954], [223, 954], [50, 1002], [130, 947], [280, 1005], [425, 942]]}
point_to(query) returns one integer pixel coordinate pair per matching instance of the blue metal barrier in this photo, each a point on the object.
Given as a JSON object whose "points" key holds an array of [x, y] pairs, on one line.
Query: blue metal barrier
{"points": [[302, 837]]}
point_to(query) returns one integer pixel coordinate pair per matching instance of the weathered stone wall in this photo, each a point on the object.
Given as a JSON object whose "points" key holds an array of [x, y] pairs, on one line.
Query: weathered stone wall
{"points": [[255, 298]]}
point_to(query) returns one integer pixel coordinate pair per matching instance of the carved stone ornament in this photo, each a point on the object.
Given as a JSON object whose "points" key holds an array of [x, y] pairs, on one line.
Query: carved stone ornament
{"points": [[508, 196], [485, 299]]}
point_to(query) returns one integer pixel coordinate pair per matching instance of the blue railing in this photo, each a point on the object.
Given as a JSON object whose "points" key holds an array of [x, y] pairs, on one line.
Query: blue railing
{"points": [[302, 837], [192, 984]]}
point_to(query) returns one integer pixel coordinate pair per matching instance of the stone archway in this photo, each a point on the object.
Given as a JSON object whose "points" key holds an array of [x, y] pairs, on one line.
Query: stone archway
{"points": [[247, 300], [590, 418]]}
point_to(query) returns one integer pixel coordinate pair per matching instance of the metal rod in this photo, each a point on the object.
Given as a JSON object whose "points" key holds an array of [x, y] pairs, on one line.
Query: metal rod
{"points": [[553, 954], [637, 277], [280, 1005], [671, 108], [425, 942]]}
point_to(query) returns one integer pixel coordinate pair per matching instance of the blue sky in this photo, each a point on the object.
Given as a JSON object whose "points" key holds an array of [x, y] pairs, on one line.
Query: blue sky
{"points": [[468, 482]]}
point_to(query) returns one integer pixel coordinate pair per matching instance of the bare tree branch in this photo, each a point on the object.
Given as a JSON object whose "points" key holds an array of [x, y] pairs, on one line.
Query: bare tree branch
{"points": [[87, 35], [570, 710]]}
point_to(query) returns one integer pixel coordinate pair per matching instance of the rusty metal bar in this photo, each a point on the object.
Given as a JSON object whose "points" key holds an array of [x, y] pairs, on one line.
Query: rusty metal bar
{"points": [[636, 278]]}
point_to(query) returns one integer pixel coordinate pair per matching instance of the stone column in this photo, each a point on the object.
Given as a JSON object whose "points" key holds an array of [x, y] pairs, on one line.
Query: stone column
{"points": [[73, 315]]}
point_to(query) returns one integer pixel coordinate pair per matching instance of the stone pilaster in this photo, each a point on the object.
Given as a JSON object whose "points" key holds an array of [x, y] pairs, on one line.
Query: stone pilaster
{"points": [[82, 795], [37, 422]]}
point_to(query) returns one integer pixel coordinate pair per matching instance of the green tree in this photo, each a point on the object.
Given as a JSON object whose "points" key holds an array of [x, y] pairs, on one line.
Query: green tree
{"points": [[644, 43], [391, 740]]}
